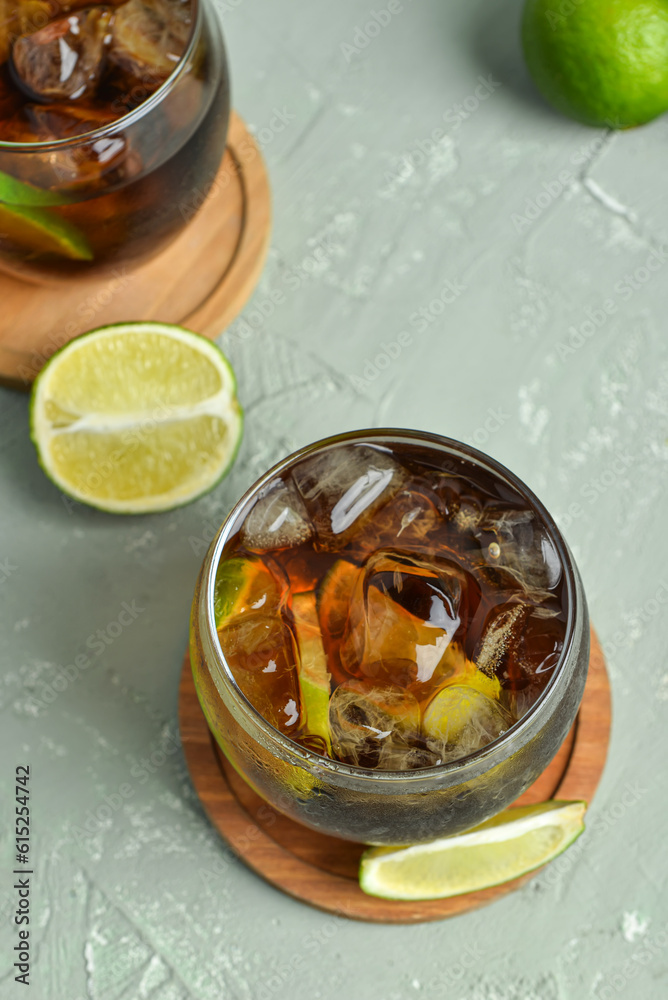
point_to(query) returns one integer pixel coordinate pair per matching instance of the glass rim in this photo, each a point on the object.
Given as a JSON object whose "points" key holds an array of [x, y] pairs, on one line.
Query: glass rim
{"points": [[131, 117], [376, 436]]}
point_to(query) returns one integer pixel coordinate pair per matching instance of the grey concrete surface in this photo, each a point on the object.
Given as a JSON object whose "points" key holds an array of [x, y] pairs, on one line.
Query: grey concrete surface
{"points": [[523, 255]]}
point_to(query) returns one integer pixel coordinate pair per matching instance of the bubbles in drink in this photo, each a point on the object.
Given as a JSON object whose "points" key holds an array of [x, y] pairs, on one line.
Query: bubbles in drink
{"points": [[437, 606], [366, 721]]}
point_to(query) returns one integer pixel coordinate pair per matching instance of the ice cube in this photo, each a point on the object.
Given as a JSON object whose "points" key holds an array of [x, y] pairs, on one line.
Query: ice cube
{"points": [[89, 165], [408, 522], [525, 549], [278, 520], [460, 720], [149, 38], [515, 543], [260, 651], [500, 636], [536, 651], [344, 487], [64, 121], [17, 17], [64, 60], [404, 613], [363, 717]]}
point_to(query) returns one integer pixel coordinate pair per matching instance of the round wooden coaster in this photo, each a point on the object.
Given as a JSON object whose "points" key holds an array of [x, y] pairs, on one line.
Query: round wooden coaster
{"points": [[322, 870], [202, 280]]}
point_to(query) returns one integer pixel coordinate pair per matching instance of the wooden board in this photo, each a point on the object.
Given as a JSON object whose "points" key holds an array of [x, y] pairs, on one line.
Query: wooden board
{"points": [[202, 280], [322, 870]]}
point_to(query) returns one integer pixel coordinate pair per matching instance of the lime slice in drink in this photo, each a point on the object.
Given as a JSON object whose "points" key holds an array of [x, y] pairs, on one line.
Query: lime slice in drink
{"points": [[240, 584], [511, 844], [314, 677], [40, 230], [334, 597], [16, 192], [136, 418]]}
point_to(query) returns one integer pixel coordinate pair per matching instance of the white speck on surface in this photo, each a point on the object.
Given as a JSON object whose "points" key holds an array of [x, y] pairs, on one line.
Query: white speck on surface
{"points": [[607, 200], [442, 161], [155, 975], [54, 749], [143, 541], [662, 689], [21, 624], [633, 926], [533, 416]]}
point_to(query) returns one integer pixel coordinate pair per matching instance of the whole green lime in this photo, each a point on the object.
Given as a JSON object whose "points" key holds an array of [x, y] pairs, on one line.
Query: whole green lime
{"points": [[602, 62]]}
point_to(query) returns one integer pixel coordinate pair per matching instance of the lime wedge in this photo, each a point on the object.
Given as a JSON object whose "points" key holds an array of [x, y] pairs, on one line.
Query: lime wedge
{"points": [[39, 230], [136, 418], [335, 594], [511, 844], [234, 584], [314, 677], [16, 192]]}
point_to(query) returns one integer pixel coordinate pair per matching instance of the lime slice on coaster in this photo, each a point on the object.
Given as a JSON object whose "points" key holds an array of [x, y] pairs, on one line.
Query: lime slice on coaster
{"points": [[16, 192], [511, 844], [39, 230], [314, 677], [137, 417]]}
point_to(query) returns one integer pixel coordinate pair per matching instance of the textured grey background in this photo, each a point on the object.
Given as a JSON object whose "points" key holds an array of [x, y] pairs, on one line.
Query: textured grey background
{"points": [[550, 353]]}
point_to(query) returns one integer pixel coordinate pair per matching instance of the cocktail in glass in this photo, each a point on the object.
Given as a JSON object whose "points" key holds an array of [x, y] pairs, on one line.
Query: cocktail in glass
{"points": [[389, 637], [113, 121]]}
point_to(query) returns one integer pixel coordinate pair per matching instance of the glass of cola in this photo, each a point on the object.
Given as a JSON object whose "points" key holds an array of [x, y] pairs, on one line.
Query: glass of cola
{"points": [[389, 637], [113, 122]]}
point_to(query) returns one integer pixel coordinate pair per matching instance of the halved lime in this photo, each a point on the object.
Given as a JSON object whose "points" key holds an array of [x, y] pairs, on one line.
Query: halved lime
{"points": [[137, 417], [41, 231], [511, 844]]}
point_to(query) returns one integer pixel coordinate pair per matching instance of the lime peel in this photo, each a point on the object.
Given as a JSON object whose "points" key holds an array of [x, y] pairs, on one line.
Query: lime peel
{"points": [[314, 677], [505, 847], [16, 192], [40, 230]]}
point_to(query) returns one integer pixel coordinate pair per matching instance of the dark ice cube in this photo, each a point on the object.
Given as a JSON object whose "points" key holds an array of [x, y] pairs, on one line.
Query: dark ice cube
{"points": [[64, 60], [149, 38], [19, 17]]}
